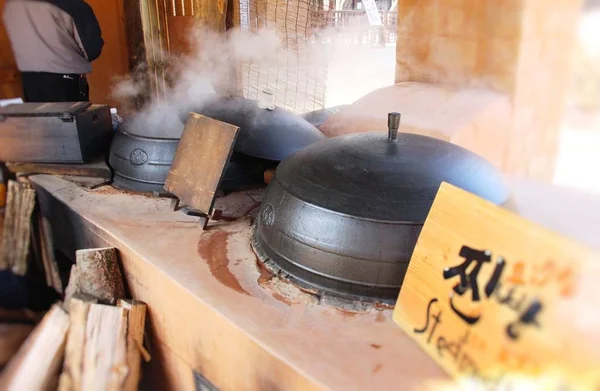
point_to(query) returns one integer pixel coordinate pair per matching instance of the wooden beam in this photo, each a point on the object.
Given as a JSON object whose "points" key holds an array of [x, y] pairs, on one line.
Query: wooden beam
{"points": [[97, 169], [37, 364]]}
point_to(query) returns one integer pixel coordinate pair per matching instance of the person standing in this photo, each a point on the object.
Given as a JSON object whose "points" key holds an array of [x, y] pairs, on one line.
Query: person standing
{"points": [[54, 43]]}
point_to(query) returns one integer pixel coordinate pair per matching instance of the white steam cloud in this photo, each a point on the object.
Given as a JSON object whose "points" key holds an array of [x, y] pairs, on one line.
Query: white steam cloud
{"points": [[194, 78]]}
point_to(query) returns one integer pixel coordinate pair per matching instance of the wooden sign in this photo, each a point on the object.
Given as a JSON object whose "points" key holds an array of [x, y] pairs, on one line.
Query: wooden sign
{"points": [[200, 160], [484, 292]]}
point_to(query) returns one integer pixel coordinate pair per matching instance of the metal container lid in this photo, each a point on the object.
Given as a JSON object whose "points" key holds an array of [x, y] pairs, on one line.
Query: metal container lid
{"points": [[270, 133], [50, 109], [390, 178]]}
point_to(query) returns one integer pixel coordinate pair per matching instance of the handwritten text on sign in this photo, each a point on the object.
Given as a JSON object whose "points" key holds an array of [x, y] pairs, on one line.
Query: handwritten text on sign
{"points": [[481, 290]]}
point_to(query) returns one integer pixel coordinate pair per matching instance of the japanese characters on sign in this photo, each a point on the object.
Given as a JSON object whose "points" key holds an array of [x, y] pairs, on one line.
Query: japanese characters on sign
{"points": [[480, 289]]}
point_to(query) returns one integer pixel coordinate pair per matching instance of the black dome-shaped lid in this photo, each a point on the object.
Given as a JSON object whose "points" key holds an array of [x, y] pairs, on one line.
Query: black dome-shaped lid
{"points": [[267, 134], [369, 176]]}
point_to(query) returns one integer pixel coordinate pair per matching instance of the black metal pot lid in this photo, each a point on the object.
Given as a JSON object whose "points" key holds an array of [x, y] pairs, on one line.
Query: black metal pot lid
{"points": [[368, 175], [318, 117], [268, 134]]}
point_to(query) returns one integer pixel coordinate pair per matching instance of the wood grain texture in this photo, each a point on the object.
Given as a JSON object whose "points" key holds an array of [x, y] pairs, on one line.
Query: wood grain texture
{"points": [[45, 252], [96, 273], [136, 321], [50, 140], [16, 234], [274, 337], [203, 152], [10, 77], [70, 378], [24, 315], [36, 366], [535, 266], [12, 336], [114, 60], [509, 47], [105, 349], [98, 169], [211, 13]]}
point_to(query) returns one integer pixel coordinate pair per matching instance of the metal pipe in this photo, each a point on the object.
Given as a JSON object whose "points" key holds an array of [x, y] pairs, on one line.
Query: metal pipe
{"points": [[393, 125]]}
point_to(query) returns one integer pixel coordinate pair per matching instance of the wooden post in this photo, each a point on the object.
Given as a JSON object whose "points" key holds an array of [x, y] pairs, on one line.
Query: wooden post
{"points": [[519, 48]]}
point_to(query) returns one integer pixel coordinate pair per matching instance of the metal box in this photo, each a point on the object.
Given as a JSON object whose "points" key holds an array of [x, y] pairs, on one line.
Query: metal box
{"points": [[64, 132]]}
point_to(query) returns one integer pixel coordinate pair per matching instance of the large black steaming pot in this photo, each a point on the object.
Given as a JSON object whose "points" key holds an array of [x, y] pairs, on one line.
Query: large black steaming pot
{"points": [[142, 163], [343, 215]]}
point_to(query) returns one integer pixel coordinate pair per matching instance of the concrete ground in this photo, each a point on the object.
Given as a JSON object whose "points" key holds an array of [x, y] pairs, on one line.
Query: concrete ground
{"points": [[578, 163]]}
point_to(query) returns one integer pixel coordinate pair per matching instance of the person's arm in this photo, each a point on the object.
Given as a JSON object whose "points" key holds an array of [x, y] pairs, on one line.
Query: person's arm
{"points": [[88, 33], [88, 29]]}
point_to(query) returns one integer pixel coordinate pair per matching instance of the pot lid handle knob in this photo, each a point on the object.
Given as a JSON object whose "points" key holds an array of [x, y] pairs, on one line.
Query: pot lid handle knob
{"points": [[393, 125]]}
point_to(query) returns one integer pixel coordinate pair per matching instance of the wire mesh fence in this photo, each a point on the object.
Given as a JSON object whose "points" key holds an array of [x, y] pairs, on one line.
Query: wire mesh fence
{"points": [[307, 29], [298, 76]]}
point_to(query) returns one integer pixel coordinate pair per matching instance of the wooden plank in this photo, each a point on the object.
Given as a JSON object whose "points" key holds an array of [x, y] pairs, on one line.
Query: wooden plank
{"points": [[16, 234], [104, 355], [114, 61], [37, 364], [203, 152], [87, 182], [46, 252], [253, 341], [136, 321], [96, 273], [483, 292], [50, 140], [23, 315], [211, 13], [167, 371], [12, 336], [70, 378], [2, 193], [97, 169]]}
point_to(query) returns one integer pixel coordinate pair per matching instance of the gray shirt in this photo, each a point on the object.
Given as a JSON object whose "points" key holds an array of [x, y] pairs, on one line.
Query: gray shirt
{"points": [[60, 36]]}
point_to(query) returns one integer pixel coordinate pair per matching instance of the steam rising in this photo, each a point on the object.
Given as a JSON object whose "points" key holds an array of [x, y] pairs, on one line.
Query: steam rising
{"points": [[194, 78]]}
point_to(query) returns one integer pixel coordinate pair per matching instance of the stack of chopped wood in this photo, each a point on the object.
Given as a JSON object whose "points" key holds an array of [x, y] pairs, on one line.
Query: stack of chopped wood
{"points": [[92, 341], [26, 251]]}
